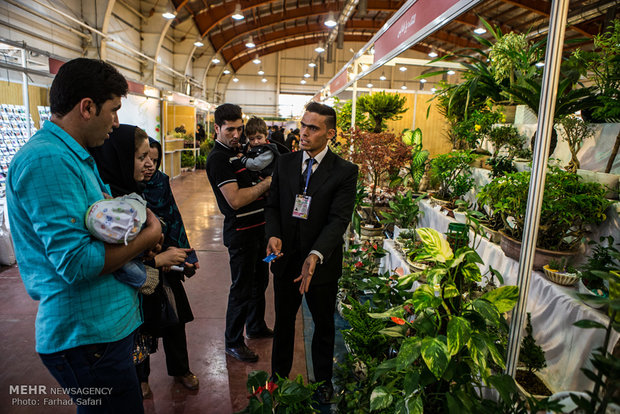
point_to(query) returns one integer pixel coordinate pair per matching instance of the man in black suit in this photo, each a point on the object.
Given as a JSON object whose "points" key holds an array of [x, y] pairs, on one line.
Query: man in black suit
{"points": [[307, 215]]}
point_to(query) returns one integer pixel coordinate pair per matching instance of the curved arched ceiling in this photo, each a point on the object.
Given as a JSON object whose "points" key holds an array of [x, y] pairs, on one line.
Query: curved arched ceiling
{"points": [[277, 25]]}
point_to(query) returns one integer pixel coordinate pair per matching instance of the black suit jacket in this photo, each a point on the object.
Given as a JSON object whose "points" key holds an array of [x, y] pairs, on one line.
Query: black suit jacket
{"points": [[332, 188]]}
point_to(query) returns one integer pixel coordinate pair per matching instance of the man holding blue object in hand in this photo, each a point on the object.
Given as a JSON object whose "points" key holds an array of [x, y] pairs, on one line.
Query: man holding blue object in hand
{"points": [[310, 204]]}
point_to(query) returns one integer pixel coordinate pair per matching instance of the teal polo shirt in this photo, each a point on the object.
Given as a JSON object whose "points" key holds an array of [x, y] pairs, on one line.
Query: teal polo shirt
{"points": [[51, 182]]}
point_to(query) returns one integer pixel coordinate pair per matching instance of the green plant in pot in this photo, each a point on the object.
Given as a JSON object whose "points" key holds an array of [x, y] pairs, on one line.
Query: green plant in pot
{"points": [[378, 155], [477, 125], [416, 168], [507, 142], [405, 211], [569, 99], [575, 132], [570, 206], [451, 174], [447, 340], [606, 366], [604, 257], [532, 356], [381, 107], [280, 396]]}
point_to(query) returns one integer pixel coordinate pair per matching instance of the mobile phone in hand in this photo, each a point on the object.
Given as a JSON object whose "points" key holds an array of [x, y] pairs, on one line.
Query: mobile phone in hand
{"points": [[269, 258]]}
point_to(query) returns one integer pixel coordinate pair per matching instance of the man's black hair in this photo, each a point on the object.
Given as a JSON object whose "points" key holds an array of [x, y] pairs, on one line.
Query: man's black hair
{"points": [[325, 110], [227, 112], [85, 78]]}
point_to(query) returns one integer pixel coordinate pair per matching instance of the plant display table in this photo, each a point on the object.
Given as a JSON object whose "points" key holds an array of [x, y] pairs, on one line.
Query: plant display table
{"points": [[554, 308]]}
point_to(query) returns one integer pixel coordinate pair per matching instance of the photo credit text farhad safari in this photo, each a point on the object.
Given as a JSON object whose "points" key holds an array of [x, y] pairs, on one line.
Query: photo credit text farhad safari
{"points": [[42, 395]]}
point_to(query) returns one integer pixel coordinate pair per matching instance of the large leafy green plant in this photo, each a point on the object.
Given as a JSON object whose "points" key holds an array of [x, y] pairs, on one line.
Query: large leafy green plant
{"points": [[381, 107], [570, 206], [417, 163], [448, 336]]}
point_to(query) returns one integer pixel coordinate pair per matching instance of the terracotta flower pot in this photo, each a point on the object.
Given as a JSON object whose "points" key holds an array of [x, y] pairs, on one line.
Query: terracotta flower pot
{"points": [[512, 249]]}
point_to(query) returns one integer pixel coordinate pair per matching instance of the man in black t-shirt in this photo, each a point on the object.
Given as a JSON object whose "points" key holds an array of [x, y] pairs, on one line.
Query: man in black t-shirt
{"points": [[241, 202]]}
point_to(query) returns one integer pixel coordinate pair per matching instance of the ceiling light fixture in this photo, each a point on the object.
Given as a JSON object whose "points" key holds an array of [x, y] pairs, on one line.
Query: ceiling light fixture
{"points": [[433, 90], [369, 85], [249, 42], [261, 71], [226, 72], [432, 53], [303, 81], [169, 14], [480, 30], [312, 64], [237, 15], [319, 48], [422, 80], [198, 43], [402, 69], [403, 87], [382, 77], [451, 72], [215, 61], [264, 80], [540, 64], [306, 75], [235, 79], [256, 60], [330, 21]]}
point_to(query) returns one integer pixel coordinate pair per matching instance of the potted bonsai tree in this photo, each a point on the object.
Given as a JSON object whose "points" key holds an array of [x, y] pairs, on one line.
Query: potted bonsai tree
{"points": [[377, 154], [575, 132], [570, 206]]}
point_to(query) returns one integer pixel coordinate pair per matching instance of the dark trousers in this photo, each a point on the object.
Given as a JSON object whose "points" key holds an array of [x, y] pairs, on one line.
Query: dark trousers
{"points": [[108, 367], [175, 348], [321, 301], [246, 298]]}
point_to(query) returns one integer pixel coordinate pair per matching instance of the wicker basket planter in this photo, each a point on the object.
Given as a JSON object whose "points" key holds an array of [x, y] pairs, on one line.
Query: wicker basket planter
{"points": [[561, 278]]}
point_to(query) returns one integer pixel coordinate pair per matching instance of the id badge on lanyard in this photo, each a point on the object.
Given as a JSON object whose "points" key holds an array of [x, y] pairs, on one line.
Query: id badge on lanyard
{"points": [[301, 208]]}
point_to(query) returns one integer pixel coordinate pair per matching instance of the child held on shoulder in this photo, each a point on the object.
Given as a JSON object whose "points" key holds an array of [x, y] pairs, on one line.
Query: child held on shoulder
{"points": [[261, 154]]}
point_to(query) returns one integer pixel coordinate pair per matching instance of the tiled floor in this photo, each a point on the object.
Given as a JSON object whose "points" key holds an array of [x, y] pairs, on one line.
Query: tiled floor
{"points": [[222, 379]]}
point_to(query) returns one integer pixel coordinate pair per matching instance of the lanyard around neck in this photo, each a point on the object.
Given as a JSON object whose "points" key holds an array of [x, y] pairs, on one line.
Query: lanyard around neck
{"points": [[308, 174]]}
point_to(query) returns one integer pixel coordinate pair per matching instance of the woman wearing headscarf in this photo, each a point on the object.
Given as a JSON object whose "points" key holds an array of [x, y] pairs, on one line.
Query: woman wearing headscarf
{"points": [[123, 161], [160, 200]]}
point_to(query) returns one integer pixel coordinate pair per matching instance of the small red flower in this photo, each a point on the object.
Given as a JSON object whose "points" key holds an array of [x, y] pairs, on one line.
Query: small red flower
{"points": [[271, 387], [407, 309], [398, 321], [375, 246], [259, 391], [359, 264], [364, 249]]}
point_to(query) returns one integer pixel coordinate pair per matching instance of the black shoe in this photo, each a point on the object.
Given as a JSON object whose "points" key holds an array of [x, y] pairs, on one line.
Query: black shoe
{"points": [[324, 393], [242, 353], [265, 333]]}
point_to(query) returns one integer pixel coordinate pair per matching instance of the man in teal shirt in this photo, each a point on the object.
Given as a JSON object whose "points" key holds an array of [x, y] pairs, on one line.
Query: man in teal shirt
{"points": [[86, 318]]}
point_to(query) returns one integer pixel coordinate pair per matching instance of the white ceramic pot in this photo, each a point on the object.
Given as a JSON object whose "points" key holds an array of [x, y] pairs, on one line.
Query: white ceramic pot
{"points": [[584, 290]]}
